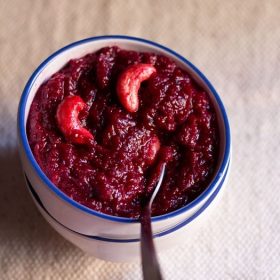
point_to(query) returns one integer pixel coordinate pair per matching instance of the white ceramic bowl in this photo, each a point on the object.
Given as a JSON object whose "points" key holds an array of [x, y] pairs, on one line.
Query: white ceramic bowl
{"points": [[90, 230]]}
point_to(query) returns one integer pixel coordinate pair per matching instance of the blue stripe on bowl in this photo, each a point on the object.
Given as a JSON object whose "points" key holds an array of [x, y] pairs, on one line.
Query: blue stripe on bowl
{"points": [[100, 238], [23, 137]]}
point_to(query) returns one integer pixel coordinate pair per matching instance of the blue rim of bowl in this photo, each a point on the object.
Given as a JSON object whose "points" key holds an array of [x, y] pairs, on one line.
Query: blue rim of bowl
{"points": [[23, 136], [114, 240]]}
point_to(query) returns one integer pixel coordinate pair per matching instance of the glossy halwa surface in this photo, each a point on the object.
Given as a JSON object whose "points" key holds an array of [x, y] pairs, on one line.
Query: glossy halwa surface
{"points": [[114, 173]]}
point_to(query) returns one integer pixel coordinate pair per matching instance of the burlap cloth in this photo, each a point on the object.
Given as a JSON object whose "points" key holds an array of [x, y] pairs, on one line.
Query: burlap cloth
{"points": [[237, 45]]}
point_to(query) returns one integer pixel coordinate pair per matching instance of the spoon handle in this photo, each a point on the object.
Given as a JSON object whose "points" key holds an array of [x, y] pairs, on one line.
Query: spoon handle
{"points": [[150, 265]]}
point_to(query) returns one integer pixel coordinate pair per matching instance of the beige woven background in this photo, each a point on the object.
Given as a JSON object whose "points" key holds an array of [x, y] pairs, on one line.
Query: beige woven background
{"points": [[237, 45]]}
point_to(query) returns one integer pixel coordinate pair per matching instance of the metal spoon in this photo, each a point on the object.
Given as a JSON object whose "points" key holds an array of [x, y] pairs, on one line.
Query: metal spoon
{"points": [[150, 265]]}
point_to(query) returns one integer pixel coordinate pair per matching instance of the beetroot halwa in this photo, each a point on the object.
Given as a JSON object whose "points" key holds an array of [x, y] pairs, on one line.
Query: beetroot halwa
{"points": [[100, 131]]}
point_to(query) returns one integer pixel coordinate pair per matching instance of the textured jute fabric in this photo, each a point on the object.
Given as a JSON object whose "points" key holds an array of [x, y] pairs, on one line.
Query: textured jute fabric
{"points": [[237, 45]]}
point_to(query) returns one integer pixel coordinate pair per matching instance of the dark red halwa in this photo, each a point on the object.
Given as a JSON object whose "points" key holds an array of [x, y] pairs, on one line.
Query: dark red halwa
{"points": [[113, 174]]}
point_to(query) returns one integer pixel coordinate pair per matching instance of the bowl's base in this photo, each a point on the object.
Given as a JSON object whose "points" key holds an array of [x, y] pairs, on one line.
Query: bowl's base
{"points": [[129, 251]]}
